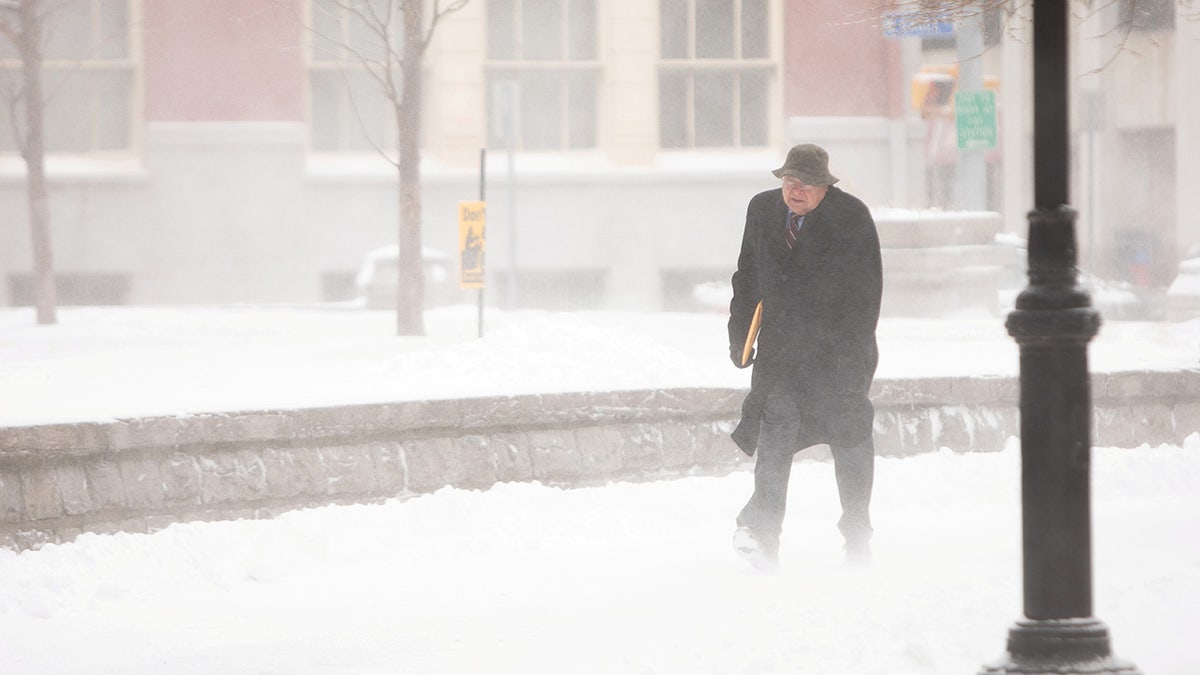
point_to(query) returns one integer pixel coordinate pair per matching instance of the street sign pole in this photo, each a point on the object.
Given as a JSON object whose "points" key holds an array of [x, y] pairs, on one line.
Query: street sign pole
{"points": [[482, 198], [970, 183], [472, 249]]}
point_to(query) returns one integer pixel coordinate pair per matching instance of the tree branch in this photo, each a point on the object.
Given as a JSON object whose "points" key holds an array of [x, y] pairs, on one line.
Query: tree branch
{"points": [[14, 98], [362, 124], [387, 69], [379, 71], [438, 13]]}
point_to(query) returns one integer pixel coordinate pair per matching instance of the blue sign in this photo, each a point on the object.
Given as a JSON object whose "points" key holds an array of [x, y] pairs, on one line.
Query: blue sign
{"points": [[915, 25]]}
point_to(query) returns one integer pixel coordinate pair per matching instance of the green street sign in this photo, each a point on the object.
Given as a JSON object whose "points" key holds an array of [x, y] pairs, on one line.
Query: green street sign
{"points": [[976, 114]]}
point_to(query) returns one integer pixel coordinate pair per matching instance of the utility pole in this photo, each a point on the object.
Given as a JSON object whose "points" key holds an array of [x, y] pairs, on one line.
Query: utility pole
{"points": [[1052, 324], [970, 177]]}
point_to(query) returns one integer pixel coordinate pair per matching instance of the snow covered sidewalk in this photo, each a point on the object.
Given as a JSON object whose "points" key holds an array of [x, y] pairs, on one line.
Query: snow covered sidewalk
{"points": [[524, 578], [625, 578], [104, 363]]}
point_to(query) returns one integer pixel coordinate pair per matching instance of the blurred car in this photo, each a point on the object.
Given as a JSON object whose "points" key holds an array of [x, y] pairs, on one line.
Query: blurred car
{"points": [[1183, 295], [378, 279]]}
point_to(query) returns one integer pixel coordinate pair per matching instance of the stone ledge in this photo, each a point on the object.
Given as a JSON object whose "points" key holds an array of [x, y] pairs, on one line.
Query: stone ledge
{"points": [[57, 481], [58, 441]]}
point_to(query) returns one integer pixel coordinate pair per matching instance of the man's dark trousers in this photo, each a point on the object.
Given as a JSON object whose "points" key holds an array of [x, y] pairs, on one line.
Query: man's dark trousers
{"points": [[854, 469]]}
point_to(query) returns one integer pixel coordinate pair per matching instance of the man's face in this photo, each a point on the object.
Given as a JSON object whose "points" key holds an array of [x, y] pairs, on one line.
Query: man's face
{"points": [[802, 197]]}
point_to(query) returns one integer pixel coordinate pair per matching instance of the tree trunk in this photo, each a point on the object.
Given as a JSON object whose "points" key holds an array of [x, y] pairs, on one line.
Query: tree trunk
{"points": [[410, 305], [33, 150]]}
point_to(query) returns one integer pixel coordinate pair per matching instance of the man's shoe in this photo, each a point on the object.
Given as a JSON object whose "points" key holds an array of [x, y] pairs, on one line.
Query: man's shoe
{"points": [[762, 553], [858, 551]]}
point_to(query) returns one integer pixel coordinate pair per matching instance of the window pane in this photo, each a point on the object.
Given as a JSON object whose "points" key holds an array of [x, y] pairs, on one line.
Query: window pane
{"points": [[67, 117], [581, 113], [714, 29], [502, 38], [504, 107], [88, 106], [755, 37], [114, 29], [542, 29], [348, 112], [673, 28], [555, 107], [754, 93], [541, 111], [672, 109], [581, 28], [112, 109], [327, 95], [327, 31], [364, 25], [714, 109], [69, 31], [368, 120]]}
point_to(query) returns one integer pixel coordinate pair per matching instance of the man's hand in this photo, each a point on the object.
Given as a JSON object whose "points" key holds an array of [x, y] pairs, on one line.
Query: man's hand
{"points": [[735, 355]]}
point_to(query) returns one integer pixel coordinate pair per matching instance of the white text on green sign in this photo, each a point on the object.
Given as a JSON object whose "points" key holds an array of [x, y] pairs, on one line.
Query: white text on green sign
{"points": [[976, 119]]}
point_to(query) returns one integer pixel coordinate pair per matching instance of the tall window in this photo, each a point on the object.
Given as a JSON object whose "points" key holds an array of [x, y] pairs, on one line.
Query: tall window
{"points": [[542, 73], [87, 79], [348, 71], [715, 73]]}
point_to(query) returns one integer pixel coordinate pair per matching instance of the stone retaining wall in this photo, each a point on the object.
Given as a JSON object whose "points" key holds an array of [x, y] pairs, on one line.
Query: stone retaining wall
{"points": [[139, 475]]}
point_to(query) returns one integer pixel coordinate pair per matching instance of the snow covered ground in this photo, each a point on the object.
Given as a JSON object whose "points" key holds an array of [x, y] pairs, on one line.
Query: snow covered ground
{"points": [[625, 578], [524, 578], [98, 364]]}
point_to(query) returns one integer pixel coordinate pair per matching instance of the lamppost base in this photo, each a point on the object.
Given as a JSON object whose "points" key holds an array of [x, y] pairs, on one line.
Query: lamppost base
{"points": [[1059, 647]]}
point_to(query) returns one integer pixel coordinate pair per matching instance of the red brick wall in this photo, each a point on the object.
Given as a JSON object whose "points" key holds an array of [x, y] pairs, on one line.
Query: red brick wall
{"points": [[223, 60], [837, 61]]}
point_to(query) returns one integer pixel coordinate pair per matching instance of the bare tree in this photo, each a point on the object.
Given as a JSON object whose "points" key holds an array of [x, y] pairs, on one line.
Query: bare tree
{"points": [[21, 22], [394, 66]]}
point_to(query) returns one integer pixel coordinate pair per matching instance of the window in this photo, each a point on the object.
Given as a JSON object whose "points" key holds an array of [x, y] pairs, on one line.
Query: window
{"points": [[87, 78], [714, 79], [352, 44], [542, 73]]}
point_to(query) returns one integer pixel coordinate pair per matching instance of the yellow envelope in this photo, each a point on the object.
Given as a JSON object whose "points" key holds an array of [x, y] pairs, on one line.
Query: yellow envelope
{"points": [[752, 334]]}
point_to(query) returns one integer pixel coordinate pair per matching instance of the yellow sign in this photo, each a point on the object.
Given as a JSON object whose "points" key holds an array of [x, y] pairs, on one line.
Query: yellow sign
{"points": [[472, 244]]}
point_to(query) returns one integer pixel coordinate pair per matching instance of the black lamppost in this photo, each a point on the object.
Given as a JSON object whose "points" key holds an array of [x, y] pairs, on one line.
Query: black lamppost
{"points": [[1052, 324]]}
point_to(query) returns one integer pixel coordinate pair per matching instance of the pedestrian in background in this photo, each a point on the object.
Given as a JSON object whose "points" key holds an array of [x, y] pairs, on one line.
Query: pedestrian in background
{"points": [[810, 254]]}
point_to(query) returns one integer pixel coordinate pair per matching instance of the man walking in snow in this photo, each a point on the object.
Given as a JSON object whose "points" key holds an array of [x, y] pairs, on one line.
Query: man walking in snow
{"points": [[810, 255]]}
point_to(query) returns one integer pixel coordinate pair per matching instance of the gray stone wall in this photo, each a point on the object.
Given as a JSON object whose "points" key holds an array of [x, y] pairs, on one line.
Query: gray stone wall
{"points": [[139, 475]]}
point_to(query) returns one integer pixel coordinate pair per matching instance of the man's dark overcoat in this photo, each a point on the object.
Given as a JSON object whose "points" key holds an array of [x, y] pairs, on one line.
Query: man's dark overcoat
{"points": [[820, 310]]}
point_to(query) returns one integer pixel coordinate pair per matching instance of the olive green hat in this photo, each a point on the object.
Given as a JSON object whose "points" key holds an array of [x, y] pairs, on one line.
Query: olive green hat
{"points": [[809, 163]]}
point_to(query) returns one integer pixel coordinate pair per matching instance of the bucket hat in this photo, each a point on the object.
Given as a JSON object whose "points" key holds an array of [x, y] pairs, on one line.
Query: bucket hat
{"points": [[809, 163]]}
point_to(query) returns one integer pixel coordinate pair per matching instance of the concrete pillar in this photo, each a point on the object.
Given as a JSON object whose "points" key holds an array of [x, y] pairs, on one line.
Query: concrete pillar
{"points": [[629, 98], [1187, 128]]}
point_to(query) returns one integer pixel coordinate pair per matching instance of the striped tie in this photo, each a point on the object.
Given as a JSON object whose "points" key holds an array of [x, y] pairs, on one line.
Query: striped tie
{"points": [[793, 230]]}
